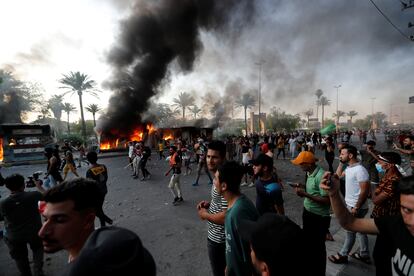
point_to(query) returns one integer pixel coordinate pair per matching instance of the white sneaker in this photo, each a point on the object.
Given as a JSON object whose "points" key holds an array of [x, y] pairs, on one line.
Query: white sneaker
{"points": [[244, 184], [251, 185]]}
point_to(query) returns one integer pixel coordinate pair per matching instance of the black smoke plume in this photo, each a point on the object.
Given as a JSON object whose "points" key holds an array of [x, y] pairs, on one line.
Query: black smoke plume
{"points": [[157, 34]]}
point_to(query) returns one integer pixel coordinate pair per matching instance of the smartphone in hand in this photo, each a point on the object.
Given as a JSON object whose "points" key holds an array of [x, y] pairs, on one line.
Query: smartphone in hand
{"points": [[293, 185]]}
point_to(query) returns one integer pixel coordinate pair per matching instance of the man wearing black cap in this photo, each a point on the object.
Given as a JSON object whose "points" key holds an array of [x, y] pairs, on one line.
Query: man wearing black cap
{"points": [[269, 193], [113, 251], [278, 246]]}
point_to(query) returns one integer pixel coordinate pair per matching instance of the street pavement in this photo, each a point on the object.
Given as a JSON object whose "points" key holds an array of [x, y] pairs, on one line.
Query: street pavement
{"points": [[174, 235]]}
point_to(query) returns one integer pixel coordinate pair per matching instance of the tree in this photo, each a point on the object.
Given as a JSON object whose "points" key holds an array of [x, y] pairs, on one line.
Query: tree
{"points": [[195, 110], [79, 83], [246, 101], [308, 113], [93, 108], [339, 115], [68, 108], [318, 94], [324, 102], [280, 120], [55, 104], [351, 114], [162, 114], [183, 101], [17, 98]]}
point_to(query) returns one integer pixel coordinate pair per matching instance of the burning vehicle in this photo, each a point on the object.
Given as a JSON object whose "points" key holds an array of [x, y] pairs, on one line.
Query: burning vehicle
{"points": [[150, 136], [23, 142]]}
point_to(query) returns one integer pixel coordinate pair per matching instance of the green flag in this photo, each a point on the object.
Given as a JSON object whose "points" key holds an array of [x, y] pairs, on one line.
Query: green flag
{"points": [[328, 129]]}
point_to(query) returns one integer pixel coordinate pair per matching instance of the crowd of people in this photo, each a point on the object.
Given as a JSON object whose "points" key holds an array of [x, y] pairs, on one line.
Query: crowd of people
{"points": [[243, 237]]}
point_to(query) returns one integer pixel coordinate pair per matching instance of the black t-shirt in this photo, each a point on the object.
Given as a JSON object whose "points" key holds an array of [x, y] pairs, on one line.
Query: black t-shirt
{"points": [[269, 194], [399, 241]]}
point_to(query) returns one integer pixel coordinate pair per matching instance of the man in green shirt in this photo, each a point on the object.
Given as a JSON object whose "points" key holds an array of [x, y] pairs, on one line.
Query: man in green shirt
{"points": [[316, 216], [227, 183]]}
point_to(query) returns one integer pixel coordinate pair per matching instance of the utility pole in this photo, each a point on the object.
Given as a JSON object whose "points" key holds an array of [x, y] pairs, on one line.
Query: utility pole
{"points": [[337, 100], [260, 63], [372, 112]]}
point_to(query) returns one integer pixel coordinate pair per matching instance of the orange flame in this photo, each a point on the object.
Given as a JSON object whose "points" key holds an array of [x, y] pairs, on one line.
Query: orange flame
{"points": [[1, 149], [169, 137], [105, 146]]}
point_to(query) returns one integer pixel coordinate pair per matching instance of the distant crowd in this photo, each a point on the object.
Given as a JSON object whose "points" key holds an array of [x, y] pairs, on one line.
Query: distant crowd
{"points": [[243, 237]]}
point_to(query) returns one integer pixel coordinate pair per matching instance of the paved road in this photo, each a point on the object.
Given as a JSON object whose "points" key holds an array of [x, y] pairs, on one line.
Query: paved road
{"points": [[173, 234]]}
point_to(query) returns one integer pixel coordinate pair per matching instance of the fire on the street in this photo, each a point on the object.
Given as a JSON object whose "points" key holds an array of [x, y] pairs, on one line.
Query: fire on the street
{"points": [[137, 135], [1, 149]]}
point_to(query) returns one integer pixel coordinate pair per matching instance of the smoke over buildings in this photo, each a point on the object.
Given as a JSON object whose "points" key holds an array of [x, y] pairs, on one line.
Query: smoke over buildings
{"points": [[157, 34]]}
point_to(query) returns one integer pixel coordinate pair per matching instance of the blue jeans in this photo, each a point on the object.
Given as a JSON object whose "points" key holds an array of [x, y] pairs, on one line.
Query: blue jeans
{"points": [[50, 182], [350, 238]]}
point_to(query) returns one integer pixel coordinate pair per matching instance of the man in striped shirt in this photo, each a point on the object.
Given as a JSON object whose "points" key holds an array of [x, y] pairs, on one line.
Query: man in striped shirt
{"points": [[214, 212]]}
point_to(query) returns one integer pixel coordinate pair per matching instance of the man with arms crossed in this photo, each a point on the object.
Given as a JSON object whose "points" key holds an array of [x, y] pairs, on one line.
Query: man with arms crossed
{"points": [[214, 212]]}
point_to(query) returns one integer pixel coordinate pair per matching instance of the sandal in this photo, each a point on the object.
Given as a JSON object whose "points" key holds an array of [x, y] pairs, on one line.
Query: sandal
{"points": [[338, 259], [358, 256]]}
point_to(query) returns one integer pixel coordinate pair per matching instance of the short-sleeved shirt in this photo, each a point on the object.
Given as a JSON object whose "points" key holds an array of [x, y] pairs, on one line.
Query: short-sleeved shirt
{"points": [[312, 187], [21, 215], [237, 250], [99, 173], [354, 174], [218, 204], [399, 241], [269, 194], [391, 205]]}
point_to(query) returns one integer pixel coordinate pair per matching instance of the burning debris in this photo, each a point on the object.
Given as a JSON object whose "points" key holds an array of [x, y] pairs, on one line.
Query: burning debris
{"points": [[155, 35]]}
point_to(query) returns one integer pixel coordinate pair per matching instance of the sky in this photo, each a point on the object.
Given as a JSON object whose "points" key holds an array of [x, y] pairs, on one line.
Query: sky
{"points": [[303, 46]]}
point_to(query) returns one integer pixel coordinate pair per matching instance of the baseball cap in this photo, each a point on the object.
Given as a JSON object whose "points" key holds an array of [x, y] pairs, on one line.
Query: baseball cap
{"points": [[113, 251], [263, 160], [390, 157], [277, 241], [304, 157]]}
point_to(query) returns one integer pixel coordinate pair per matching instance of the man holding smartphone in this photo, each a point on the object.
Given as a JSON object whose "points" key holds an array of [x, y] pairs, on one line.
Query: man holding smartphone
{"points": [[316, 216]]}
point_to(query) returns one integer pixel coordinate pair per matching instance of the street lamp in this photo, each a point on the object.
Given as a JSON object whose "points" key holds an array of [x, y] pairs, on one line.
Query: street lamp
{"points": [[337, 99], [372, 112], [260, 63]]}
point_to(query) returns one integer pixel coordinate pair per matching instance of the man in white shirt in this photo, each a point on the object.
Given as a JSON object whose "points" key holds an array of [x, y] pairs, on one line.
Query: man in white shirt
{"points": [[357, 188]]}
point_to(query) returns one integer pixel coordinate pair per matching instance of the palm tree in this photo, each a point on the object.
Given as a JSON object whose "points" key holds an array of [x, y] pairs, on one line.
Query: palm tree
{"points": [[45, 113], [324, 102], [79, 83], [93, 108], [351, 114], [246, 101], [68, 108], [308, 113], [183, 101], [55, 104], [195, 110], [318, 94], [339, 115]]}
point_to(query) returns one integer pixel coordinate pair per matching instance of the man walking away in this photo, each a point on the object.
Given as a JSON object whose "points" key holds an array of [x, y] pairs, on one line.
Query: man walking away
{"points": [[99, 173]]}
